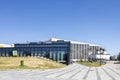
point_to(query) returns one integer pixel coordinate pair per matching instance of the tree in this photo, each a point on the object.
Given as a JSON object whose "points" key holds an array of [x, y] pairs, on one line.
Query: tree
{"points": [[118, 57]]}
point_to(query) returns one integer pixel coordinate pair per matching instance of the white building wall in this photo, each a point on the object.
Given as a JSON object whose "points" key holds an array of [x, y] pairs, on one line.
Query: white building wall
{"points": [[6, 45], [102, 56]]}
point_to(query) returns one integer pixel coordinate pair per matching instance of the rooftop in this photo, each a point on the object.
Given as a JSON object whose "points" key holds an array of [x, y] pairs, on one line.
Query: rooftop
{"points": [[74, 42]]}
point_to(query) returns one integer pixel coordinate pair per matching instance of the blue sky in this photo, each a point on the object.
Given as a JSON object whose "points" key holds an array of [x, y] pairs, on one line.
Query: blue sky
{"points": [[92, 21]]}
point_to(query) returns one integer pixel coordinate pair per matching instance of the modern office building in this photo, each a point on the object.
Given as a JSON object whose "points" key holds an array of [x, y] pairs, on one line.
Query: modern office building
{"points": [[59, 50]]}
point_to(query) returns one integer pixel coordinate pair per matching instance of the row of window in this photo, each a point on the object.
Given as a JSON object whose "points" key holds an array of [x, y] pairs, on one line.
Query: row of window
{"points": [[41, 45], [79, 51], [54, 55], [36, 49]]}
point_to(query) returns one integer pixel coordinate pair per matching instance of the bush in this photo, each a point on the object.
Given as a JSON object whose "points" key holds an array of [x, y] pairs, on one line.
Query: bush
{"points": [[118, 56], [81, 60], [95, 60]]}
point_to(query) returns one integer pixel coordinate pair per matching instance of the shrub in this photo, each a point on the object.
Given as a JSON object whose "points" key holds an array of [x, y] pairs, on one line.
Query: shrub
{"points": [[118, 56]]}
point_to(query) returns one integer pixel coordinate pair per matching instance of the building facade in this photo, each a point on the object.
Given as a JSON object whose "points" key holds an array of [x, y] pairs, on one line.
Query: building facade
{"points": [[64, 51], [100, 56]]}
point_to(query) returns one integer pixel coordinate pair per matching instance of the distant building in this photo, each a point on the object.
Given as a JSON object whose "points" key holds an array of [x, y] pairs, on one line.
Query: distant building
{"points": [[65, 51], [114, 57], [100, 56]]}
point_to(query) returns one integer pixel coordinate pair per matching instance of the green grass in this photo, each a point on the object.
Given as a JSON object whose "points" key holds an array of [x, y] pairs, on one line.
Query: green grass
{"points": [[90, 64]]}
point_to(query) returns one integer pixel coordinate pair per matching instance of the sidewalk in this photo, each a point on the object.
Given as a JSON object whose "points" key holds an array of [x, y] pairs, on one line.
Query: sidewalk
{"points": [[72, 72]]}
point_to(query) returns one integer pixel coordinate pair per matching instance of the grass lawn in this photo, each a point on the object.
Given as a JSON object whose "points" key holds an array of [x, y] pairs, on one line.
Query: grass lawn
{"points": [[29, 63], [90, 64]]}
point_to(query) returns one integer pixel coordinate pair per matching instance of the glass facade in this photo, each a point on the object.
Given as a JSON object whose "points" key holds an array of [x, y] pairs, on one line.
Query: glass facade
{"points": [[56, 51], [60, 50]]}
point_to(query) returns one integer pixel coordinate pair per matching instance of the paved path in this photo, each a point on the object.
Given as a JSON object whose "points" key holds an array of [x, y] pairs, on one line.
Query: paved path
{"points": [[71, 72]]}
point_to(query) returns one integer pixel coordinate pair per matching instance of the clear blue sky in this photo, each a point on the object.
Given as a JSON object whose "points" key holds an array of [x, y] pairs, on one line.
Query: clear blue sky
{"points": [[92, 21]]}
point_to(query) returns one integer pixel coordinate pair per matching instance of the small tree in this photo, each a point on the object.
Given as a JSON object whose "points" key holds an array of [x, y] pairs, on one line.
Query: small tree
{"points": [[118, 57]]}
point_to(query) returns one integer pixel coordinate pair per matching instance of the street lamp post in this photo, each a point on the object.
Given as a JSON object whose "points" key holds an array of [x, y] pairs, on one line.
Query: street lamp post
{"points": [[90, 53], [100, 57], [100, 52]]}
